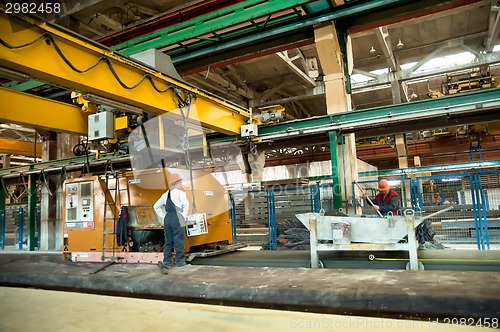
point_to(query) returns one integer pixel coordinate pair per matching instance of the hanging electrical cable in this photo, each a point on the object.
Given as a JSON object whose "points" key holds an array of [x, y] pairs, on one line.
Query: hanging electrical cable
{"points": [[186, 104], [51, 41]]}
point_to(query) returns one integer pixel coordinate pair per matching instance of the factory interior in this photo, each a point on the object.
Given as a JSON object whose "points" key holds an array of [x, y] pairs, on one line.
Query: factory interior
{"points": [[286, 126]]}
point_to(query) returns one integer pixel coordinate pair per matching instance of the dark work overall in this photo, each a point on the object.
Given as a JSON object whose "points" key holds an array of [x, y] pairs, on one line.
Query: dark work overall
{"points": [[174, 236]]}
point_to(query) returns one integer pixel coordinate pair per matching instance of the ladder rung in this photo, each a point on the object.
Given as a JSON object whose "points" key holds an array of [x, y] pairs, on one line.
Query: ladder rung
{"points": [[108, 233]]}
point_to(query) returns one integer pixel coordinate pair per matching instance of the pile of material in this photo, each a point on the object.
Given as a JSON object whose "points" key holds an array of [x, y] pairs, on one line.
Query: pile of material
{"points": [[292, 235], [425, 237]]}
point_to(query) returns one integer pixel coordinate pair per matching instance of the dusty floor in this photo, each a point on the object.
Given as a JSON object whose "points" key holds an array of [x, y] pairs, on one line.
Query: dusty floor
{"points": [[24, 310], [138, 297]]}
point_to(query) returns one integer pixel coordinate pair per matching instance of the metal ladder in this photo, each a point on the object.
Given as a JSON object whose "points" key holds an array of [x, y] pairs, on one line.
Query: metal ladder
{"points": [[112, 204]]}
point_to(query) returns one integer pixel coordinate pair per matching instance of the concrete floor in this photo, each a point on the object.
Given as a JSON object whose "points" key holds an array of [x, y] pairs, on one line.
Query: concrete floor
{"points": [[391, 294], [44, 310]]}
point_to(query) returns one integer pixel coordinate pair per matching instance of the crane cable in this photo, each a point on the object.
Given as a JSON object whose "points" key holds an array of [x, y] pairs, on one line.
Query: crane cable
{"points": [[186, 104]]}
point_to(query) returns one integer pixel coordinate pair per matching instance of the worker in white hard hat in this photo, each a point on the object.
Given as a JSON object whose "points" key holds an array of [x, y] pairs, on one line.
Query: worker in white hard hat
{"points": [[173, 207]]}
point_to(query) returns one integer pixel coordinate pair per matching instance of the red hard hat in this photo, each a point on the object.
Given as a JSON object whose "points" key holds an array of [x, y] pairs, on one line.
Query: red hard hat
{"points": [[174, 178], [383, 185]]}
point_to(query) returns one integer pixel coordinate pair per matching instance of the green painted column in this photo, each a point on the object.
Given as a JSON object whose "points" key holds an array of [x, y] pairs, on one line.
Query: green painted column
{"points": [[333, 46], [3, 197], [31, 211], [337, 186]]}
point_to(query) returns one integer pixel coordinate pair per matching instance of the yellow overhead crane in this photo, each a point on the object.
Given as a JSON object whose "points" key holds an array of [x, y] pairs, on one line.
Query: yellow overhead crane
{"points": [[36, 49], [49, 54]]}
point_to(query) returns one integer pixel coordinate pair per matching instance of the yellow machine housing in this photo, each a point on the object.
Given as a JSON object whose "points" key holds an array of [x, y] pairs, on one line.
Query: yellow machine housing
{"points": [[472, 81], [85, 213]]}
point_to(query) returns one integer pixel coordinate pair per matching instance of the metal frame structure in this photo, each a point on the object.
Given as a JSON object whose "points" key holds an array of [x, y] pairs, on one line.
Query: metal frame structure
{"points": [[82, 65], [122, 79], [315, 219], [474, 103], [479, 201]]}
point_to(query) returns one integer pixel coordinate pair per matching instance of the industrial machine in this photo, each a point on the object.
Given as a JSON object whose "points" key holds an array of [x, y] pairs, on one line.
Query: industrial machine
{"points": [[464, 82], [114, 97], [390, 233], [94, 229]]}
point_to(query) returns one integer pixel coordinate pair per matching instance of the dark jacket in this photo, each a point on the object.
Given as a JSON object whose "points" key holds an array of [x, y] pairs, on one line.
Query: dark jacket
{"points": [[121, 227], [387, 203]]}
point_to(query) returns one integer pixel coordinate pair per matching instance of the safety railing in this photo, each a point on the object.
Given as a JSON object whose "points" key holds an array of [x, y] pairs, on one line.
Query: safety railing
{"points": [[474, 220], [14, 227], [263, 217]]}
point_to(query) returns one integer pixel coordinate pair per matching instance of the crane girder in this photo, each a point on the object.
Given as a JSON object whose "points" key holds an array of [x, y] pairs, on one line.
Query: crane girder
{"points": [[46, 53], [22, 148], [41, 113]]}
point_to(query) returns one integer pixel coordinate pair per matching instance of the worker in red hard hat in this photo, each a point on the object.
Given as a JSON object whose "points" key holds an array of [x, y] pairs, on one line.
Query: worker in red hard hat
{"points": [[173, 207], [387, 200], [438, 198]]}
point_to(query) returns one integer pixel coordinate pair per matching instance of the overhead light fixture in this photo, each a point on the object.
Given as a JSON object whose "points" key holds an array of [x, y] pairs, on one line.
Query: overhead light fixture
{"points": [[400, 44], [413, 95], [373, 50]]}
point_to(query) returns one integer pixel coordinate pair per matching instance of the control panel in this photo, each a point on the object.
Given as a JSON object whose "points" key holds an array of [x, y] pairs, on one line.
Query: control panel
{"points": [[196, 224], [79, 205]]}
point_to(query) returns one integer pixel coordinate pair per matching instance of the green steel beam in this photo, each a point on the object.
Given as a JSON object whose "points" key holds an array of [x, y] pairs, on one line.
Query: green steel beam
{"points": [[206, 43], [31, 211], [318, 6], [68, 163], [379, 116], [430, 169], [31, 84], [340, 12], [206, 24], [415, 170], [243, 12], [337, 191]]}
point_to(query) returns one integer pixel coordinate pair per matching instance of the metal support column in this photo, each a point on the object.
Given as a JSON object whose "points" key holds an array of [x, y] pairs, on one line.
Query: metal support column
{"points": [[313, 227], [3, 196], [20, 228], [403, 191], [271, 220], [345, 178], [354, 200], [38, 226], [2, 228], [232, 214], [31, 212], [412, 241], [337, 188], [479, 210], [315, 198]]}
